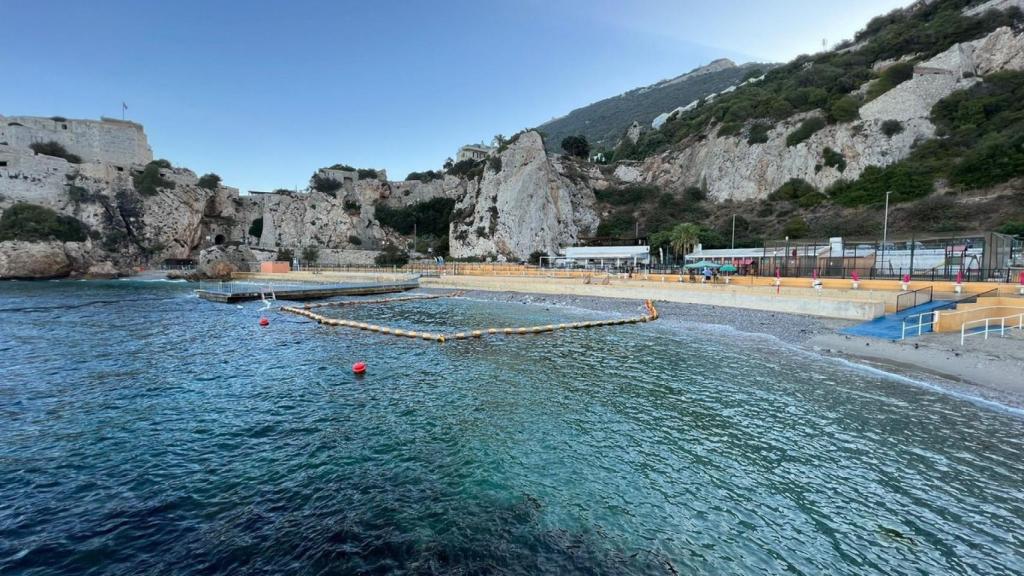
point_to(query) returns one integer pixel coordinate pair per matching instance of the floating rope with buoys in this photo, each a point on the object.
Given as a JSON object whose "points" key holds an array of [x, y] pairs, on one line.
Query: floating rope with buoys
{"points": [[343, 303], [652, 314]]}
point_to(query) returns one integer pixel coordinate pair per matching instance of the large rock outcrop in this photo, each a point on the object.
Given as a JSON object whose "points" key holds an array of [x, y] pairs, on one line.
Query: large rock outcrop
{"points": [[525, 206], [33, 260]]}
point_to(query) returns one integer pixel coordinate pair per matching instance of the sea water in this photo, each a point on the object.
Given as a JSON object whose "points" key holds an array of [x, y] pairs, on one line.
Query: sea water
{"points": [[146, 431]]}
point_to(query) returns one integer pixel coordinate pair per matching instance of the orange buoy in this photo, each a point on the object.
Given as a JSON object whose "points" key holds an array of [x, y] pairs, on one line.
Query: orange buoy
{"points": [[264, 321], [359, 368]]}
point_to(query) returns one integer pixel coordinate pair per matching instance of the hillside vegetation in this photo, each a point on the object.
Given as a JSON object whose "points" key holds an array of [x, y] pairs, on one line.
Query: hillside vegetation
{"points": [[604, 122]]}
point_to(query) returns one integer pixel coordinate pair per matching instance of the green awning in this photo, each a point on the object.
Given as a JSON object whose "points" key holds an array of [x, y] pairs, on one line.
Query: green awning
{"points": [[702, 264]]}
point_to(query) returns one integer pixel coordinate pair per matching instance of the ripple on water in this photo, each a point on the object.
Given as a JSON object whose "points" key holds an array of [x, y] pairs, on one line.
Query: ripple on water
{"points": [[165, 434]]}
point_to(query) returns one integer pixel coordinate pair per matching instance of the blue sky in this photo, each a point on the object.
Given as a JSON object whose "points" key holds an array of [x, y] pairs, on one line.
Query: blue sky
{"points": [[264, 92]]}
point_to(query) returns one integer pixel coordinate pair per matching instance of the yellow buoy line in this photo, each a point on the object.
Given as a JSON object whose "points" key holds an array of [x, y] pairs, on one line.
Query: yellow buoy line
{"points": [[342, 303], [652, 314]]}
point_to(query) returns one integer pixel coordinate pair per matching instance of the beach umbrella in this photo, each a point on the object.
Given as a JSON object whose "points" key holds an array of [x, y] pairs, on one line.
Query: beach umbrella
{"points": [[702, 264], [727, 268]]}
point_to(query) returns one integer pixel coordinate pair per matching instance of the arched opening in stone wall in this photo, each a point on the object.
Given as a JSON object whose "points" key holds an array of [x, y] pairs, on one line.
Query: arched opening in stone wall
{"points": [[218, 239]]}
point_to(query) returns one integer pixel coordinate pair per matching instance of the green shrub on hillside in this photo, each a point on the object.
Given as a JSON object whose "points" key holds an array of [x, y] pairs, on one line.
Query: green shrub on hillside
{"points": [[284, 255], [34, 223], [55, 149], [209, 181], [695, 194], [367, 173], [806, 129], [150, 181], [627, 196], [892, 127], [905, 180], [311, 254], [467, 168], [758, 133], [730, 129], [793, 190], [845, 109], [256, 227], [1015, 228], [576, 146], [430, 217], [796, 228], [342, 167], [427, 176], [392, 255], [890, 78], [355, 240], [833, 159], [325, 184]]}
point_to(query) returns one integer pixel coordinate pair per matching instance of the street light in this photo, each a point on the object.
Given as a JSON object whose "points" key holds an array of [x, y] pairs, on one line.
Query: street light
{"points": [[885, 227], [733, 246]]}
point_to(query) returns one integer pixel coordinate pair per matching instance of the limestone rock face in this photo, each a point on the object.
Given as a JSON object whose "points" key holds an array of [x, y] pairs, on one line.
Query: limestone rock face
{"points": [[102, 270], [221, 261], [528, 205], [33, 260], [732, 168]]}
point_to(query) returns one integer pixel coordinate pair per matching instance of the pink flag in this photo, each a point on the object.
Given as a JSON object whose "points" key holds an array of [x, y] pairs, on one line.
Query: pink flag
{"points": [[959, 276]]}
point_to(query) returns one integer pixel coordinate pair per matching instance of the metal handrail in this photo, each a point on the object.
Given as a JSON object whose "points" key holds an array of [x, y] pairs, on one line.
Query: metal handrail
{"points": [[989, 328], [914, 298], [920, 325]]}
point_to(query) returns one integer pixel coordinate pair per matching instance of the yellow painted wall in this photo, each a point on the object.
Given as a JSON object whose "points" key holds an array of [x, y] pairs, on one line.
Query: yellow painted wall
{"points": [[952, 320]]}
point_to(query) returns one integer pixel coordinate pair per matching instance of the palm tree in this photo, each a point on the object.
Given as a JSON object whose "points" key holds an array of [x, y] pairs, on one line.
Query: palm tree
{"points": [[684, 237]]}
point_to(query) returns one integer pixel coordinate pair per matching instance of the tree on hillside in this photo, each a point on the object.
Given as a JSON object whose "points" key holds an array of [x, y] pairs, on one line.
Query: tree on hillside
{"points": [[684, 237], [576, 146]]}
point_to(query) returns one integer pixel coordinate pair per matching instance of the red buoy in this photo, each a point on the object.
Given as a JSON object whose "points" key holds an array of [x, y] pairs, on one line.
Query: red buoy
{"points": [[264, 321], [359, 368]]}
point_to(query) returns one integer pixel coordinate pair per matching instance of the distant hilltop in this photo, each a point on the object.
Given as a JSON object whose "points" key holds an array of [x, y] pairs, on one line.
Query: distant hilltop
{"points": [[604, 123]]}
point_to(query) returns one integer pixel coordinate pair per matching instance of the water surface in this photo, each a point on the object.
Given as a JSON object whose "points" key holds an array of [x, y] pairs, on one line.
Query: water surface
{"points": [[144, 431]]}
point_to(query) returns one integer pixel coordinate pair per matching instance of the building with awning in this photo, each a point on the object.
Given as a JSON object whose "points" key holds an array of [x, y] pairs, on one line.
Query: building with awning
{"points": [[756, 260]]}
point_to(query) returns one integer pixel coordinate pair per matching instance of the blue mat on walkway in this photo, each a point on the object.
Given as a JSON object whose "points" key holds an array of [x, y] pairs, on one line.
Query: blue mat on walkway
{"points": [[890, 326]]}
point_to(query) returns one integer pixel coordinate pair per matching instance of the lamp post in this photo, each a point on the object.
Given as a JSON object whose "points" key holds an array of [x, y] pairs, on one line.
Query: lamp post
{"points": [[733, 245], [885, 227]]}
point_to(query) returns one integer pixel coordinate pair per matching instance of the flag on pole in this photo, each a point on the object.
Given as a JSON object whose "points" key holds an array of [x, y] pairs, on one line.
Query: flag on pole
{"points": [[124, 108]]}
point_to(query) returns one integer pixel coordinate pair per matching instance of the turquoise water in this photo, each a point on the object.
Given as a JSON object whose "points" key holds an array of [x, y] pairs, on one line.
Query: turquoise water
{"points": [[144, 431]]}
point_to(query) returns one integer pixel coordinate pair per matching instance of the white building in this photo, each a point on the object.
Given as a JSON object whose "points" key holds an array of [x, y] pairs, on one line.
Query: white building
{"points": [[606, 256], [473, 152]]}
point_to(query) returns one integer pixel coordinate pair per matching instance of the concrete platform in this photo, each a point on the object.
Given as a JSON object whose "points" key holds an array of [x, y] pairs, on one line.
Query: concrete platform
{"points": [[227, 292]]}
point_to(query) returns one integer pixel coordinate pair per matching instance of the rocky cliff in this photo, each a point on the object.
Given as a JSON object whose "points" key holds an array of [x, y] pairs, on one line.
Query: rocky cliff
{"points": [[523, 203]]}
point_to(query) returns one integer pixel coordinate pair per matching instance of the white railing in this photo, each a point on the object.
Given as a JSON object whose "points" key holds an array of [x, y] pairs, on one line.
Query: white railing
{"points": [[993, 325], [910, 326]]}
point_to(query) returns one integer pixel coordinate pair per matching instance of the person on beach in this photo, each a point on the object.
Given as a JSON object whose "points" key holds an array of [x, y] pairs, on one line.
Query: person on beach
{"points": [[707, 274]]}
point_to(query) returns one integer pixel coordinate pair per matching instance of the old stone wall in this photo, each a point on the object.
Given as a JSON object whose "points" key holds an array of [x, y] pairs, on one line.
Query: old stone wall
{"points": [[108, 141]]}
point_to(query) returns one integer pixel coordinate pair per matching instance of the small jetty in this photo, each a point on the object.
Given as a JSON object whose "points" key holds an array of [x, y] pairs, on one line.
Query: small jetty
{"points": [[238, 291]]}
